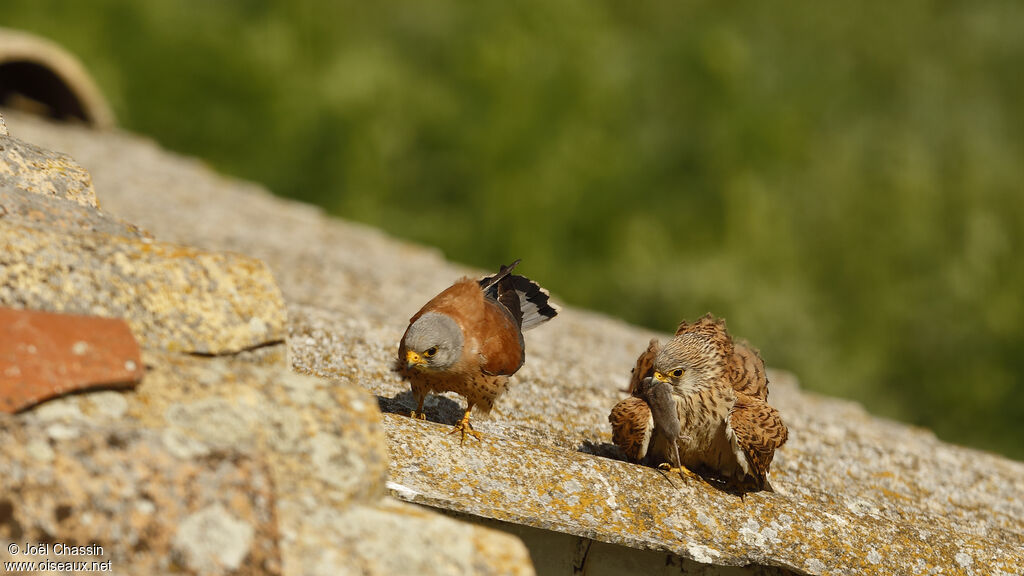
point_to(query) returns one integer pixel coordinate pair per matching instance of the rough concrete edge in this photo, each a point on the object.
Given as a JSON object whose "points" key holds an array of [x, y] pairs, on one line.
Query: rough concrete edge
{"points": [[443, 497], [61, 168], [237, 335]]}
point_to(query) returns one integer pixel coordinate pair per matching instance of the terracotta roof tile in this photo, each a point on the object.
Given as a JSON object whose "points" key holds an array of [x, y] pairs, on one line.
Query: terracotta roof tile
{"points": [[45, 355]]}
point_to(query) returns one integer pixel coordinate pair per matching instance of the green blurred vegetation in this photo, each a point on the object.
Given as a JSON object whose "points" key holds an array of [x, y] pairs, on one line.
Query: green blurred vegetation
{"points": [[844, 183]]}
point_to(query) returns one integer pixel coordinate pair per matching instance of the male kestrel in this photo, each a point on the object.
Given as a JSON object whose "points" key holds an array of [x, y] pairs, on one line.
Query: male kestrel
{"points": [[721, 420], [469, 339]]}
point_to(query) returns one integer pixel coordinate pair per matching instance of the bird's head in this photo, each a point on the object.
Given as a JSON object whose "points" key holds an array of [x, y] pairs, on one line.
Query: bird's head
{"points": [[432, 342], [689, 361]]}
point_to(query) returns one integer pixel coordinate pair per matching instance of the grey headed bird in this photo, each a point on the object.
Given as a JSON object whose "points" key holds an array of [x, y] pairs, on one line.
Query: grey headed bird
{"points": [[469, 339]]}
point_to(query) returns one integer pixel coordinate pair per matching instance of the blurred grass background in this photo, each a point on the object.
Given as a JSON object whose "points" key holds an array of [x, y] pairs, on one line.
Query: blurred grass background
{"points": [[844, 183]]}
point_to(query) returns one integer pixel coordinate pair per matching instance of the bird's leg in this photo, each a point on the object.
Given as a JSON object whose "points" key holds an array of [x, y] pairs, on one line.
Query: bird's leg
{"points": [[465, 427], [418, 412], [682, 470], [664, 472]]}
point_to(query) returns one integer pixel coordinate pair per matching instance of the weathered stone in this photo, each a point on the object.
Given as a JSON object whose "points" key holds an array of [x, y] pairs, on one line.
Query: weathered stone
{"points": [[803, 528], [3, 127], [44, 355], [34, 169], [321, 444], [173, 297], [397, 538], [57, 214], [212, 540], [856, 494], [117, 487], [560, 553], [323, 439]]}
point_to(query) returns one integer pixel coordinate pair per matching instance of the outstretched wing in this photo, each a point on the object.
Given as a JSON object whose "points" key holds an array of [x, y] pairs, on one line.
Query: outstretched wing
{"points": [[756, 430], [744, 368], [745, 371], [632, 425], [644, 367]]}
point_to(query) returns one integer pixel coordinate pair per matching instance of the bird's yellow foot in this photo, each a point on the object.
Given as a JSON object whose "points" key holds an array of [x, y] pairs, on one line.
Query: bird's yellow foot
{"points": [[465, 427], [418, 415], [682, 470]]}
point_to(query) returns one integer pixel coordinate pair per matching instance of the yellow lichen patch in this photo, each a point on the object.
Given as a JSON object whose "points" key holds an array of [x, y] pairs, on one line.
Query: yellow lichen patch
{"points": [[175, 298], [615, 502], [28, 167]]}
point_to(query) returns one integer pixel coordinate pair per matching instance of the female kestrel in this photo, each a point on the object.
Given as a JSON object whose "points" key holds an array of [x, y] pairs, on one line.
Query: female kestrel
{"points": [[469, 339], [721, 420]]}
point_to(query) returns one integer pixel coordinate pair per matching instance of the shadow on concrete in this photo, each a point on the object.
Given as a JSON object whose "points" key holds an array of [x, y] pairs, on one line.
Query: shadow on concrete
{"points": [[709, 477], [440, 409]]}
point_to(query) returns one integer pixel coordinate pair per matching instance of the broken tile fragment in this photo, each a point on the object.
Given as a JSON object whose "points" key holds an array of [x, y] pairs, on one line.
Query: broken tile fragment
{"points": [[45, 355]]}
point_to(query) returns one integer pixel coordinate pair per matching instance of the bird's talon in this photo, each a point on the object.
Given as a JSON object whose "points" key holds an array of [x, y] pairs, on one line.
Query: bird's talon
{"points": [[465, 428], [682, 470]]}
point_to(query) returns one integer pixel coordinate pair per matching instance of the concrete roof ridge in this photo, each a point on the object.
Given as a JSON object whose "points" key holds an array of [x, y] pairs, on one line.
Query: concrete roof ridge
{"points": [[856, 493]]}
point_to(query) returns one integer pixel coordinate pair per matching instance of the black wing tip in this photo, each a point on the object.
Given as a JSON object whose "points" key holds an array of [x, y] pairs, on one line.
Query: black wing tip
{"points": [[530, 291], [536, 295], [488, 282]]}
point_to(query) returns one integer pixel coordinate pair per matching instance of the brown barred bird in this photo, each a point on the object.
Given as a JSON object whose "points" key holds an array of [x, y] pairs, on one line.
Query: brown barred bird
{"points": [[722, 420], [469, 339]]}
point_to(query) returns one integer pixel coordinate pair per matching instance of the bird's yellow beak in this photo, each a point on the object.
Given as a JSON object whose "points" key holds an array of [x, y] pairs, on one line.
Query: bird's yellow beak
{"points": [[660, 377], [414, 359]]}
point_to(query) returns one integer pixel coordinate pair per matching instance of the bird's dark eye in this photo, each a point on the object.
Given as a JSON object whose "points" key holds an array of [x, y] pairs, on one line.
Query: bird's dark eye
{"points": [[677, 372], [430, 351]]}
